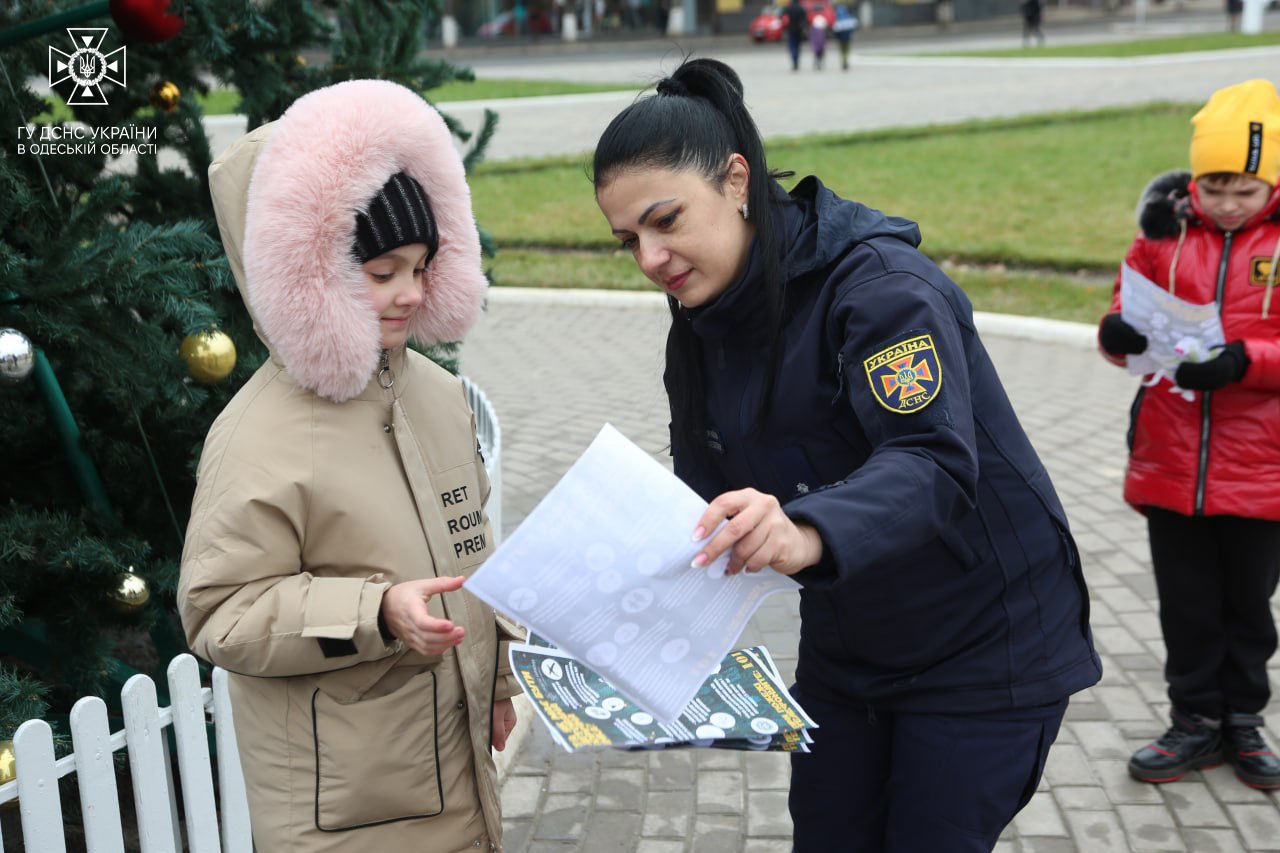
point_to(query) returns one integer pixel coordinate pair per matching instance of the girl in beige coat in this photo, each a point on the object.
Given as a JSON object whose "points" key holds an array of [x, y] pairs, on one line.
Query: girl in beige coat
{"points": [[340, 502]]}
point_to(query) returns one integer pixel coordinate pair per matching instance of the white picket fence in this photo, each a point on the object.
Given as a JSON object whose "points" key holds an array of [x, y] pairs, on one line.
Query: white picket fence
{"points": [[150, 766], [209, 825], [489, 433]]}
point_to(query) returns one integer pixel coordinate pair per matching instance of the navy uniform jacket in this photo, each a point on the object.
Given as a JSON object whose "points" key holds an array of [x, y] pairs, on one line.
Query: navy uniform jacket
{"points": [[950, 581]]}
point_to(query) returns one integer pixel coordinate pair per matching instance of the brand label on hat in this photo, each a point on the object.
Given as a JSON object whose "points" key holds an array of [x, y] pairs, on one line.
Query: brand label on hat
{"points": [[1255, 148]]}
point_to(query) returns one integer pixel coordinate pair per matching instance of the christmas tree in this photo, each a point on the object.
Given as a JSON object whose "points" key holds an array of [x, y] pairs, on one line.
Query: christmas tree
{"points": [[119, 317]]}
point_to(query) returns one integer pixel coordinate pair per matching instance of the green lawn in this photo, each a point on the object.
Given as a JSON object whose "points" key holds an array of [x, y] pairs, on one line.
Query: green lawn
{"points": [[601, 270], [1061, 297], [1056, 191], [1142, 47], [1030, 216]]}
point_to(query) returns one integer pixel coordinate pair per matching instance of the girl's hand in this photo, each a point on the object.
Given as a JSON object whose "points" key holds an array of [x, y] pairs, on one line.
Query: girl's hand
{"points": [[759, 533], [504, 720], [404, 609]]}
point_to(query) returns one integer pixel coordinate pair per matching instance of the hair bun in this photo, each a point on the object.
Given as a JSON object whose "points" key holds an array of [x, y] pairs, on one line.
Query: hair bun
{"points": [[672, 86]]}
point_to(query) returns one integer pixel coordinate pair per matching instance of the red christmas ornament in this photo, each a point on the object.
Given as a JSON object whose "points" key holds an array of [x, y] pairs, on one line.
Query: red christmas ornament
{"points": [[145, 20]]}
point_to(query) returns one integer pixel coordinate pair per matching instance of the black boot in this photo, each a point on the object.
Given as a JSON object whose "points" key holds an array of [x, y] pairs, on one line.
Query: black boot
{"points": [[1192, 742], [1255, 763]]}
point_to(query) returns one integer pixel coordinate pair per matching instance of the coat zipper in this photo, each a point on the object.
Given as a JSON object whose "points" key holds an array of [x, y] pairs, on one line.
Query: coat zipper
{"points": [[1206, 397], [386, 376], [839, 378]]}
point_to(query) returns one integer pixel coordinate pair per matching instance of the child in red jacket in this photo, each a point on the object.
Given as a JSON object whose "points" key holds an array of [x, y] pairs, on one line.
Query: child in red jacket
{"points": [[1206, 471]]}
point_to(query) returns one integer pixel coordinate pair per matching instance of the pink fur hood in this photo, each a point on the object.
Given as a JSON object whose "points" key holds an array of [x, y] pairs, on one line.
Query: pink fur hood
{"points": [[311, 172]]}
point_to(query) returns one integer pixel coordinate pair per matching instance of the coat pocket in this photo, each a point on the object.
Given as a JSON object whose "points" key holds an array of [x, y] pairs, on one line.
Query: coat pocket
{"points": [[966, 540], [377, 759]]}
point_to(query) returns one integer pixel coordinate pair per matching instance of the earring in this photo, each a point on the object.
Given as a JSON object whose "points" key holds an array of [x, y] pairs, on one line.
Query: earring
{"points": [[746, 211]]}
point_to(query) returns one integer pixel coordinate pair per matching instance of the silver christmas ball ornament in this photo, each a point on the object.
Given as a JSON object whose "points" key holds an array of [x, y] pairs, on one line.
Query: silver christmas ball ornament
{"points": [[17, 356]]}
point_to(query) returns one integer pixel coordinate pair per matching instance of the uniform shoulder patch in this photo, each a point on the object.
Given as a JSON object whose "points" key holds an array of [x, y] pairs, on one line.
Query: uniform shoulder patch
{"points": [[906, 376]]}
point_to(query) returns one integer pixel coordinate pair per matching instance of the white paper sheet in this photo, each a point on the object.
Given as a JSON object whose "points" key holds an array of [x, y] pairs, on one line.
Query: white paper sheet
{"points": [[601, 568], [1176, 330]]}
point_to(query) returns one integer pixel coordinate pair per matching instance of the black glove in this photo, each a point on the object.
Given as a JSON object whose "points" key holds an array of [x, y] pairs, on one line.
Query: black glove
{"points": [[1226, 367], [1119, 338]]}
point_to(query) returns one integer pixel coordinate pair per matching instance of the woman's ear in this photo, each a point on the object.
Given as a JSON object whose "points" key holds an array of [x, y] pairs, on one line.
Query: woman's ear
{"points": [[738, 178]]}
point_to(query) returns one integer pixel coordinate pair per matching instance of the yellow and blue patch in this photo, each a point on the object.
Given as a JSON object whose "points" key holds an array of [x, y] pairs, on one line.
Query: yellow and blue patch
{"points": [[906, 376]]}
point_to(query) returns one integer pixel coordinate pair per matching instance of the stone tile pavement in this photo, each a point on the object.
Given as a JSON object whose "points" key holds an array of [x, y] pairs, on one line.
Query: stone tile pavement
{"points": [[558, 366]]}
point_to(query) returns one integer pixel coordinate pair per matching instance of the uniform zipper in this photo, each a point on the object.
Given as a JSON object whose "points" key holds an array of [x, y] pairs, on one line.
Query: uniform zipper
{"points": [[839, 378], [1206, 397]]}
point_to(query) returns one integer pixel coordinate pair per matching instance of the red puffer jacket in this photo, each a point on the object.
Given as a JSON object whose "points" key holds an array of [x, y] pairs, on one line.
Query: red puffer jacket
{"points": [[1218, 454]]}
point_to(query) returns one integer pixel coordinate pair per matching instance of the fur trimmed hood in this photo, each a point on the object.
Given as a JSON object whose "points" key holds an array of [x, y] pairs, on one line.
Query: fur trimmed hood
{"points": [[1163, 202], [286, 197], [1171, 199]]}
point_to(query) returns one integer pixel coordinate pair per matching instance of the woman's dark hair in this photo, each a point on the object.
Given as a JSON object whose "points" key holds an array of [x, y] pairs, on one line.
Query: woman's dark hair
{"points": [[696, 121]]}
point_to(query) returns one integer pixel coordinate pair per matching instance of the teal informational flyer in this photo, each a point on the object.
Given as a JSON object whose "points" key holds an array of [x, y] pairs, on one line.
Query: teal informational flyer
{"points": [[742, 705]]}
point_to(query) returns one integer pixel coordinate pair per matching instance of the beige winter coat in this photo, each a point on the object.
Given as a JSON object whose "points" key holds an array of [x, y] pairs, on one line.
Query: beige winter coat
{"points": [[306, 511]]}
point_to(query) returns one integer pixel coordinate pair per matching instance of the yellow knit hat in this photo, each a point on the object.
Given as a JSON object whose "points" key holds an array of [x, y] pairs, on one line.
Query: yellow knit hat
{"points": [[1238, 131]]}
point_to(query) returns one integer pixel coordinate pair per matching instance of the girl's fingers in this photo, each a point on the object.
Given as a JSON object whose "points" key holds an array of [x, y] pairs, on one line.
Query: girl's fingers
{"points": [[429, 624]]}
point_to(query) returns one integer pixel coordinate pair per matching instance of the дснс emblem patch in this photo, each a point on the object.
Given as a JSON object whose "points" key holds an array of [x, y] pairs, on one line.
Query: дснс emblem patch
{"points": [[905, 377]]}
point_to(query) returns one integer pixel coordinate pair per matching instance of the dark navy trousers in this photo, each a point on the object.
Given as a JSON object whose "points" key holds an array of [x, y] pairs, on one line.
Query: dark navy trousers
{"points": [[905, 782]]}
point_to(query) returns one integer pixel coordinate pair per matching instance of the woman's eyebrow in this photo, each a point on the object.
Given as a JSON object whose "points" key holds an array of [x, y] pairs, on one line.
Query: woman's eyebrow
{"points": [[643, 216], [650, 208]]}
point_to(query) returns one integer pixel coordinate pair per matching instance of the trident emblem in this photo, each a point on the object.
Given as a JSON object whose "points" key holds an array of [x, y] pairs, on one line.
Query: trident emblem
{"points": [[86, 67]]}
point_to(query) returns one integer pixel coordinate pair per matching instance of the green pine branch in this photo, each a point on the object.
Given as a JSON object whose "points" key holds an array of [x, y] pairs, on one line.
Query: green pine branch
{"points": [[106, 267]]}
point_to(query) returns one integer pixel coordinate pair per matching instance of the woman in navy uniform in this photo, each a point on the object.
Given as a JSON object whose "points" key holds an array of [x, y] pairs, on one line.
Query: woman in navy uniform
{"points": [[831, 398]]}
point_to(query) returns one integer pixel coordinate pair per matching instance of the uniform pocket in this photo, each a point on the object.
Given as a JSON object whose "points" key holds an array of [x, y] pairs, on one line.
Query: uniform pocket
{"points": [[377, 759], [966, 540], [955, 542]]}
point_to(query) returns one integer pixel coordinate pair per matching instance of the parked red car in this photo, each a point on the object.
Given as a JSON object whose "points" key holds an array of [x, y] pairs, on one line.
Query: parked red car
{"points": [[768, 25]]}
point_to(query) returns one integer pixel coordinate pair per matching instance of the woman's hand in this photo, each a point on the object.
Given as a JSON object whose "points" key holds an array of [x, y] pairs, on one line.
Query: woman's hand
{"points": [[404, 609], [759, 533], [504, 720]]}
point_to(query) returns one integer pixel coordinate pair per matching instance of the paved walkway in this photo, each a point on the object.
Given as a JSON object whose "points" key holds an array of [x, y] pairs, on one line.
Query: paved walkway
{"points": [[558, 367]]}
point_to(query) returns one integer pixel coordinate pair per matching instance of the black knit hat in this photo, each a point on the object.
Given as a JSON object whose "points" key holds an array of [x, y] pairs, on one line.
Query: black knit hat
{"points": [[397, 216]]}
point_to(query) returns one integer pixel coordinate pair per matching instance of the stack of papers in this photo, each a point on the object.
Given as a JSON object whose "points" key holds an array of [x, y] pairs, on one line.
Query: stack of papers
{"points": [[601, 568], [742, 705]]}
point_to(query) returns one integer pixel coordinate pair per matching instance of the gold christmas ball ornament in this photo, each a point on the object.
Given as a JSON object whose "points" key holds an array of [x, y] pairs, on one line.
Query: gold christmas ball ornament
{"points": [[8, 765], [17, 356], [165, 96], [129, 595], [210, 356]]}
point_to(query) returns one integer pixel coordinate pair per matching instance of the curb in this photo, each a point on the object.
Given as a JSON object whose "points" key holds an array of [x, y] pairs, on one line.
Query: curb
{"points": [[1079, 335]]}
